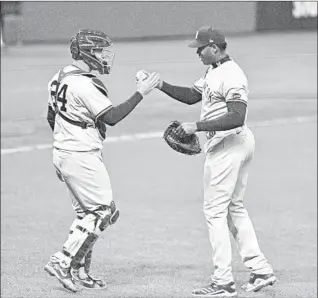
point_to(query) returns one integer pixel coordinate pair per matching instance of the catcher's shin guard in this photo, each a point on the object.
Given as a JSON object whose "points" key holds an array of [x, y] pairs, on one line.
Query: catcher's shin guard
{"points": [[83, 267], [84, 236], [86, 232], [83, 249], [88, 261]]}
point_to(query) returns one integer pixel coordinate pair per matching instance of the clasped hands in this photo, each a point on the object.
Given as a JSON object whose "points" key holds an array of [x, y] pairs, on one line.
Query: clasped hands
{"points": [[153, 81]]}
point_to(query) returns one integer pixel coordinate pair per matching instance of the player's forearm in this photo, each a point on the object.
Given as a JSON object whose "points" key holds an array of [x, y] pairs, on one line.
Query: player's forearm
{"points": [[118, 113], [183, 94], [234, 118], [227, 121], [50, 117]]}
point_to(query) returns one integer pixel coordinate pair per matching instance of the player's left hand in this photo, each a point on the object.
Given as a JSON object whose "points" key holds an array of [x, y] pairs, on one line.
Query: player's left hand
{"points": [[186, 128]]}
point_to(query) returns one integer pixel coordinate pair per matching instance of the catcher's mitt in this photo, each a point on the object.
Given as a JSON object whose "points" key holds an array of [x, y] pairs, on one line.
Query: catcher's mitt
{"points": [[186, 144]]}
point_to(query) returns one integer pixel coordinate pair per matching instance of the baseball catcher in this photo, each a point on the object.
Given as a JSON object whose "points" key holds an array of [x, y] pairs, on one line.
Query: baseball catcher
{"points": [[79, 109]]}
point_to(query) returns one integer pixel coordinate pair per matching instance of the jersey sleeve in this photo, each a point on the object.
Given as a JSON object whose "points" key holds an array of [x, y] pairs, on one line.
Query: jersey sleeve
{"points": [[235, 89], [51, 89], [198, 85], [50, 117], [95, 96]]}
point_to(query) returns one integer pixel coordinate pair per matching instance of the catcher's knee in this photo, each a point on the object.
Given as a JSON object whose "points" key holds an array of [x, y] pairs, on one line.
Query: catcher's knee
{"points": [[114, 213], [106, 215]]}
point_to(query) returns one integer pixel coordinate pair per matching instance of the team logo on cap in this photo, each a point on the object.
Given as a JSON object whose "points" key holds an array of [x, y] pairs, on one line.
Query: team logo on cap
{"points": [[197, 34], [236, 96]]}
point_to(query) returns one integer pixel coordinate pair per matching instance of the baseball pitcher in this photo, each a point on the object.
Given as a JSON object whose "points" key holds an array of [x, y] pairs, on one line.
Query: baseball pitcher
{"points": [[229, 148]]}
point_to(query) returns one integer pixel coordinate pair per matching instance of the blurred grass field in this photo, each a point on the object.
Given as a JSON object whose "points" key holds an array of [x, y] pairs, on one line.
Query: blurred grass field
{"points": [[160, 247]]}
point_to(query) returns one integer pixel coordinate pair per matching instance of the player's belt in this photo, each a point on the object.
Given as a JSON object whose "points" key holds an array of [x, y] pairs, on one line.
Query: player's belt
{"points": [[209, 135], [83, 124]]}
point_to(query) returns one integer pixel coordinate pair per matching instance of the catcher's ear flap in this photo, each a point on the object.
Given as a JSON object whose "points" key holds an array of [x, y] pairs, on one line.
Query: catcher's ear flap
{"points": [[75, 51]]}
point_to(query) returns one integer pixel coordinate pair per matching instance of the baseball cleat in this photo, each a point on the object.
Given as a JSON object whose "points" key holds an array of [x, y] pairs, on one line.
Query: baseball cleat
{"points": [[62, 274], [87, 281], [49, 268], [259, 281], [215, 290]]}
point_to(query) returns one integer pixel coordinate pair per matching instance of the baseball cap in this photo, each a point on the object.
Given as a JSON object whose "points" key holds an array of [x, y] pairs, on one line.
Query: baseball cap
{"points": [[207, 35]]}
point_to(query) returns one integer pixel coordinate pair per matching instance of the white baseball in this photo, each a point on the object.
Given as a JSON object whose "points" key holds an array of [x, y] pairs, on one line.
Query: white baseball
{"points": [[141, 75]]}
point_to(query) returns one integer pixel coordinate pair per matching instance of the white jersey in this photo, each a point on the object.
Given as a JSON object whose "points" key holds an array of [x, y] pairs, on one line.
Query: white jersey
{"points": [[219, 85], [81, 97]]}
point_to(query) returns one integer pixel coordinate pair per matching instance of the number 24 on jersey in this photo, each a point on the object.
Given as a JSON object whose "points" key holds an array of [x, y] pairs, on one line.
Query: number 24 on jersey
{"points": [[61, 95]]}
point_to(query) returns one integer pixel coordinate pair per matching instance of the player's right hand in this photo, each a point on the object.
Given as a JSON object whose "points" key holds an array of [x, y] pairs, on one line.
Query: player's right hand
{"points": [[147, 85], [159, 86]]}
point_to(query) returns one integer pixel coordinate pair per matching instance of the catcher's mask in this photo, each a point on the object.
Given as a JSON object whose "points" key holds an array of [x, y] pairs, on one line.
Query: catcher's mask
{"points": [[93, 47]]}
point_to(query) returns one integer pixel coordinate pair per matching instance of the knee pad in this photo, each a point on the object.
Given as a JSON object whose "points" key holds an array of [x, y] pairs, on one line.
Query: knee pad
{"points": [[88, 261], [114, 212], [108, 216]]}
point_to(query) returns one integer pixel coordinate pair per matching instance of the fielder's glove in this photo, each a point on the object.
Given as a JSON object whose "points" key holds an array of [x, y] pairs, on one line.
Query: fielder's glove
{"points": [[182, 143]]}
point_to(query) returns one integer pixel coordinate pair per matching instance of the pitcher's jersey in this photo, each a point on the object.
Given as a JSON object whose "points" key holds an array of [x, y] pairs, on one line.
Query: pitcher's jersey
{"points": [[80, 97], [219, 85]]}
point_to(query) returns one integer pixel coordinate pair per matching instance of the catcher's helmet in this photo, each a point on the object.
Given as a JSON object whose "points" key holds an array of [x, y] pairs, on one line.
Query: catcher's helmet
{"points": [[92, 47]]}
